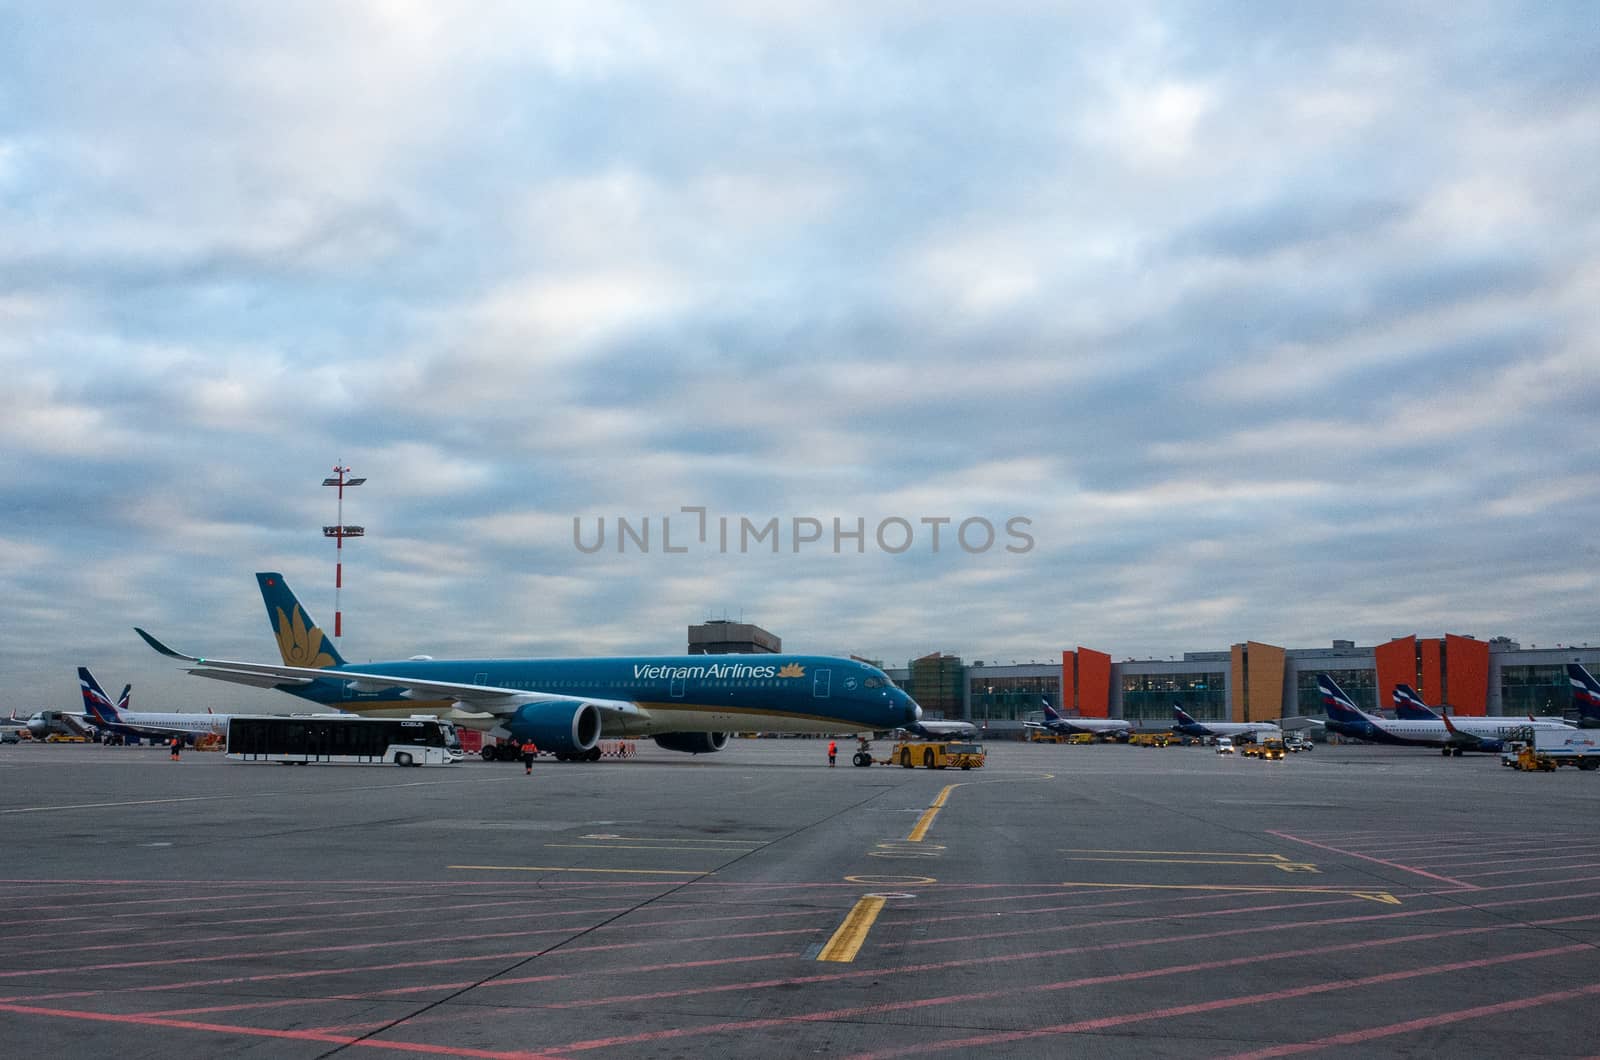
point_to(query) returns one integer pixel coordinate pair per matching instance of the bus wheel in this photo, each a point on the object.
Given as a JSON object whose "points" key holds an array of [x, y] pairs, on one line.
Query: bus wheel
{"points": [[927, 758], [402, 759]]}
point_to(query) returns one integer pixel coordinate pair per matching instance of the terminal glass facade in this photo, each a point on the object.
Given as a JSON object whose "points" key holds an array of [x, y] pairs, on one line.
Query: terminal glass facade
{"points": [[1013, 698], [1360, 685], [1147, 699], [938, 684], [1534, 690]]}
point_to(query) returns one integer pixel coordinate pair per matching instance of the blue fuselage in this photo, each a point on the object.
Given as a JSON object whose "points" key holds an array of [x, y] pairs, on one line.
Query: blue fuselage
{"points": [[772, 692]]}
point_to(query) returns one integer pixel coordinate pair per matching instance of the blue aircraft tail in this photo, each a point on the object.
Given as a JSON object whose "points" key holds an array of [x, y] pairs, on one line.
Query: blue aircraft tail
{"points": [[1409, 705], [1339, 706], [1050, 713], [1183, 716], [1585, 694], [301, 641], [96, 703]]}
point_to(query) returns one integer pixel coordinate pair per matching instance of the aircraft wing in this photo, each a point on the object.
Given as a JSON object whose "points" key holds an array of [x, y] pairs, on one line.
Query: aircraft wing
{"points": [[1465, 740], [160, 730], [486, 699]]}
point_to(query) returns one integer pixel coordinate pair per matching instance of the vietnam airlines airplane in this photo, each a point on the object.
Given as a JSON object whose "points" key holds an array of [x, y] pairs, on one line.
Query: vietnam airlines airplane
{"points": [[117, 718], [1585, 695], [685, 703], [1185, 723], [1054, 721]]}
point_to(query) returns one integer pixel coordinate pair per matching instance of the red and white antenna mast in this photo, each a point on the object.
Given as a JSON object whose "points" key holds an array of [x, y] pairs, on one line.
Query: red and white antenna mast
{"points": [[339, 532]]}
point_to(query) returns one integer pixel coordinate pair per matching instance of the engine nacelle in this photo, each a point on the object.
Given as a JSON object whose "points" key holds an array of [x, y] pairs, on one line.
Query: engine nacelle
{"points": [[561, 726], [695, 743]]}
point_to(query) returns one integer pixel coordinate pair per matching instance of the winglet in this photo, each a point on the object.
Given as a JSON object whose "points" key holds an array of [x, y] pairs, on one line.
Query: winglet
{"points": [[163, 649]]}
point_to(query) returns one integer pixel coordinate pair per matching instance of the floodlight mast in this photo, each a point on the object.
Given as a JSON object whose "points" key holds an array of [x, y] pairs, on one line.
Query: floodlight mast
{"points": [[339, 532]]}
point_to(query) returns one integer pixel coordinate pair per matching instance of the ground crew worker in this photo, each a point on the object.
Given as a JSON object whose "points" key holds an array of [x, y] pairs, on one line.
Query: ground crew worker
{"points": [[528, 751], [177, 745], [833, 752]]}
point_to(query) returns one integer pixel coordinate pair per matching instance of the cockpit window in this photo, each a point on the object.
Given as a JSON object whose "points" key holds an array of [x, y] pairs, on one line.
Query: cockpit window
{"points": [[875, 682]]}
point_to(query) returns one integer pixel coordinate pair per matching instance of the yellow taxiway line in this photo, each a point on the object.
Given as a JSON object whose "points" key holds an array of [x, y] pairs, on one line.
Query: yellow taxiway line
{"points": [[846, 941], [926, 820]]}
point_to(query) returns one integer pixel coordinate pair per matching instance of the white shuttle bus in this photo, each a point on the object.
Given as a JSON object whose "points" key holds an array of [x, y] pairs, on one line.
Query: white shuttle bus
{"points": [[344, 739]]}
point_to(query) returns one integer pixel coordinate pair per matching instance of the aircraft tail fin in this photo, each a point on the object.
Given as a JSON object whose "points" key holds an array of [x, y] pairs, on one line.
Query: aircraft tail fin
{"points": [[1585, 693], [1410, 706], [301, 641], [1050, 713], [1183, 716], [1340, 707], [96, 703]]}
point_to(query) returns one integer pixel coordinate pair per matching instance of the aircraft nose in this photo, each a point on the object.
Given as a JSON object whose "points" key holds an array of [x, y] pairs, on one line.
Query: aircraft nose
{"points": [[911, 711]]}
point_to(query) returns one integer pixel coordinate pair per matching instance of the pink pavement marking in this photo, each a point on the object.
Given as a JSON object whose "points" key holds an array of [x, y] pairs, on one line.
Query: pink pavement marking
{"points": [[1379, 861], [263, 1032], [1422, 1023], [1107, 1022]]}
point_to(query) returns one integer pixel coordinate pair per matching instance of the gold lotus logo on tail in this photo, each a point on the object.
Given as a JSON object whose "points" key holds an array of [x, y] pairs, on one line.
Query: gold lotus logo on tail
{"points": [[299, 645], [792, 670]]}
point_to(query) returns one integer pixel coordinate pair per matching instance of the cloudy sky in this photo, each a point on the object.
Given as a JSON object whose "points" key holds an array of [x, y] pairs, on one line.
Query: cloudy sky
{"points": [[1274, 321]]}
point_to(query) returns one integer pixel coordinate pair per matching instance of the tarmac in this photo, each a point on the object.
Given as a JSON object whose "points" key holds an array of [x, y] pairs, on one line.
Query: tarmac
{"points": [[1063, 900]]}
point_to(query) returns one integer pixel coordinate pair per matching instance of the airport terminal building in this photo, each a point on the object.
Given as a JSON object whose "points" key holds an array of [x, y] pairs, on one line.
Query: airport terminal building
{"points": [[1250, 681]]}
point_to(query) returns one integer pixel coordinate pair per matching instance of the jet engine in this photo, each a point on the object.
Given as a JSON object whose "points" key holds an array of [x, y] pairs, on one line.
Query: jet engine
{"points": [[561, 726], [695, 743]]}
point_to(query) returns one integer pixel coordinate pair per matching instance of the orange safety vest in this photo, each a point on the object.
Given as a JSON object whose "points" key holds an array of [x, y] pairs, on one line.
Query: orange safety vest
{"points": [[529, 749], [833, 748]]}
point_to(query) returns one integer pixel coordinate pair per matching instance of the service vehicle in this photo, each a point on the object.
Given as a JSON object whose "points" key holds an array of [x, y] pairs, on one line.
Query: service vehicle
{"points": [[1081, 738], [1039, 736], [1297, 743], [1224, 745], [10, 736], [62, 737], [939, 754], [1549, 749], [1270, 749], [343, 739]]}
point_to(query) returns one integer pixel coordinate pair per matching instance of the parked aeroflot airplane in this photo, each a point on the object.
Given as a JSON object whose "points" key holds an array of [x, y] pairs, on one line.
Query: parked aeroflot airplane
{"points": [[1585, 695], [1055, 722], [1408, 706], [1253, 730], [47, 722], [686, 703], [117, 718], [1347, 719]]}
